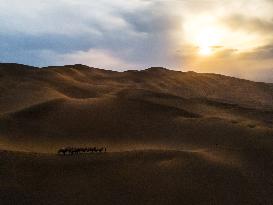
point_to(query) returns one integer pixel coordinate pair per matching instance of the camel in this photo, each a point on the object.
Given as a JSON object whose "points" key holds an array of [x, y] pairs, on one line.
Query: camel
{"points": [[63, 151], [75, 150], [100, 150]]}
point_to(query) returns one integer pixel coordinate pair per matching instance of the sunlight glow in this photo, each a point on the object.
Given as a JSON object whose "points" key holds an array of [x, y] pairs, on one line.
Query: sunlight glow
{"points": [[210, 36], [206, 50], [206, 39], [204, 33]]}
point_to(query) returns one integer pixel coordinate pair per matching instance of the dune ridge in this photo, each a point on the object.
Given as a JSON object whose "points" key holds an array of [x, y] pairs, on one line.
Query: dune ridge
{"points": [[78, 103]]}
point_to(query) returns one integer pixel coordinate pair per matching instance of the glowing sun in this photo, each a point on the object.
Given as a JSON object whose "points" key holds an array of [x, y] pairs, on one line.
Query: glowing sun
{"points": [[206, 50], [205, 34], [206, 39]]}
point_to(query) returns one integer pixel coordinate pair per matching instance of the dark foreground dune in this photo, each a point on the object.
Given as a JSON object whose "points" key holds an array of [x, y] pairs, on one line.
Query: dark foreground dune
{"points": [[136, 177], [210, 137]]}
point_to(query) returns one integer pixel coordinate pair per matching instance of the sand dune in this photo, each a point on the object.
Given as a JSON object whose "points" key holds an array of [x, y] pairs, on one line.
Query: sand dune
{"points": [[142, 177], [210, 137]]}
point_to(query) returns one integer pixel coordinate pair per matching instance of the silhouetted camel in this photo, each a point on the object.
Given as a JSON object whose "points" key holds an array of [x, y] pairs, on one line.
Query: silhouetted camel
{"points": [[100, 150], [75, 150], [62, 151]]}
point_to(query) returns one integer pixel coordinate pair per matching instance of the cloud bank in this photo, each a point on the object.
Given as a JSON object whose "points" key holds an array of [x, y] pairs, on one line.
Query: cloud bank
{"points": [[137, 34]]}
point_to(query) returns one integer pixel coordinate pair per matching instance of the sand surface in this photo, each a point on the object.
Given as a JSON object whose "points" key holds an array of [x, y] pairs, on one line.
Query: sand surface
{"points": [[172, 137]]}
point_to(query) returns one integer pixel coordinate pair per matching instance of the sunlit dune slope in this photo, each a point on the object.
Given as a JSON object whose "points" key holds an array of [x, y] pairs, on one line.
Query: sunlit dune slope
{"points": [[43, 109]]}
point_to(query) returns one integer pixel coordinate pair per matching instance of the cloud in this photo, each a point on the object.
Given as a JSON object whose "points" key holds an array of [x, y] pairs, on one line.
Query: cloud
{"points": [[255, 65], [61, 17], [252, 24], [94, 57], [131, 29], [260, 53]]}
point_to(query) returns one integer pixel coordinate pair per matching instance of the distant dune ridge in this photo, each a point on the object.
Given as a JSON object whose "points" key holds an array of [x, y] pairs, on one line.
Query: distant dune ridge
{"points": [[209, 136]]}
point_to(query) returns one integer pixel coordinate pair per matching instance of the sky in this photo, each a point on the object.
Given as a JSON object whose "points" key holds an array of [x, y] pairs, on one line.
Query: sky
{"points": [[230, 37]]}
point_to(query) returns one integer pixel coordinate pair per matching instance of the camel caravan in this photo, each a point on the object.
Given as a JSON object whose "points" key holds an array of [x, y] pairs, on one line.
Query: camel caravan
{"points": [[78, 150]]}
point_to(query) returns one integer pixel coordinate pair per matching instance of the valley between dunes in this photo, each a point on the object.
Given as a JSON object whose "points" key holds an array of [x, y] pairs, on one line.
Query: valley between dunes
{"points": [[172, 137]]}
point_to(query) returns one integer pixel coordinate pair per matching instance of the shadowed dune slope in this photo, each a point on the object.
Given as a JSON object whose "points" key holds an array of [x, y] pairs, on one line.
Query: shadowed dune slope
{"points": [[142, 177]]}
